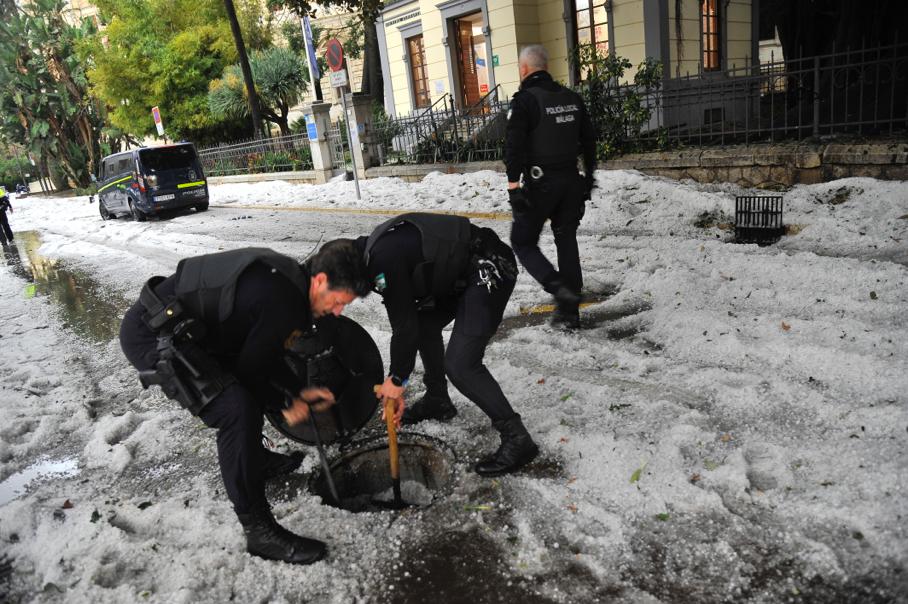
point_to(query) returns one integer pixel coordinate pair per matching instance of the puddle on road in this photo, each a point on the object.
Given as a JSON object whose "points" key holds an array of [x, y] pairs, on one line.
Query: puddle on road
{"points": [[15, 485], [85, 306]]}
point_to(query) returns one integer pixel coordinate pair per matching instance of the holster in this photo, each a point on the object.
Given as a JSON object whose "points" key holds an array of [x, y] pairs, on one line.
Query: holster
{"points": [[486, 247], [184, 371], [186, 374]]}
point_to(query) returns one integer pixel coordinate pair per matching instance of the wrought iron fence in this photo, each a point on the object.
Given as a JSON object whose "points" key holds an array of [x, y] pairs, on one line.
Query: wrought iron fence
{"points": [[864, 92], [337, 143], [280, 154], [443, 133]]}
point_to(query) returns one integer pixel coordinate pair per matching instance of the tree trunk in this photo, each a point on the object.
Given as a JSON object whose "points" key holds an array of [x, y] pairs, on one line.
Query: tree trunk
{"points": [[372, 76], [247, 71]]}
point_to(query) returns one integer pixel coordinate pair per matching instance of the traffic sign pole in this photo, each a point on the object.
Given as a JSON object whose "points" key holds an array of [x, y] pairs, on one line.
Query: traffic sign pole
{"points": [[351, 141], [334, 54]]}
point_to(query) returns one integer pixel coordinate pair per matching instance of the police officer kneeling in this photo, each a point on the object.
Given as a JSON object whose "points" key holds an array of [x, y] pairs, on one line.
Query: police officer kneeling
{"points": [[548, 127], [433, 269], [213, 336]]}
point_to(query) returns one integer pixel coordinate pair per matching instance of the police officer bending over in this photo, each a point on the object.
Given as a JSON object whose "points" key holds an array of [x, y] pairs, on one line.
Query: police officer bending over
{"points": [[213, 336], [548, 127], [432, 269]]}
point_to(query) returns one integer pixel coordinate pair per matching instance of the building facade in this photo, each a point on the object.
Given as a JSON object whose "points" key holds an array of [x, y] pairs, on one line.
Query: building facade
{"points": [[465, 48]]}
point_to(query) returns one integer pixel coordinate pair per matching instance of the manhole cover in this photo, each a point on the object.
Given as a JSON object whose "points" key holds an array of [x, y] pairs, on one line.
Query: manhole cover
{"points": [[362, 475]]}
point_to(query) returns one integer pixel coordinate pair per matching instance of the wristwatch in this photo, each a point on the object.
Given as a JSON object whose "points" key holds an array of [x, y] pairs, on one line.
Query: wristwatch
{"points": [[397, 381]]}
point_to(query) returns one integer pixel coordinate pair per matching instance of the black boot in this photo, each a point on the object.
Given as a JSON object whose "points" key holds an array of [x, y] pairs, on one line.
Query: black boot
{"points": [[267, 539], [567, 310], [277, 464], [517, 449], [429, 407]]}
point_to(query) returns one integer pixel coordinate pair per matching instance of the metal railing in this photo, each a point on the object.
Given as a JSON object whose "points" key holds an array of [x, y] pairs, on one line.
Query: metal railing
{"points": [[443, 133], [338, 146], [862, 92], [280, 154]]}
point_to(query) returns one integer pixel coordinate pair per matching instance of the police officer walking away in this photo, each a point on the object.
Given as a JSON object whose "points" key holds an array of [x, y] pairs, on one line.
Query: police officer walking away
{"points": [[6, 233], [548, 127], [433, 269], [213, 336]]}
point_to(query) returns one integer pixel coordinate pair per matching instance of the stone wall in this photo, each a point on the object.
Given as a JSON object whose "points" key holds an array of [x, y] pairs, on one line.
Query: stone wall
{"points": [[773, 166]]}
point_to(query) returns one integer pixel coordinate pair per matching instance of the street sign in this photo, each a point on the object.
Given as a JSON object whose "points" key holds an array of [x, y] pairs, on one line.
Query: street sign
{"points": [[310, 51], [311, 128], [334, 54], [338, 79], [156, 114]]}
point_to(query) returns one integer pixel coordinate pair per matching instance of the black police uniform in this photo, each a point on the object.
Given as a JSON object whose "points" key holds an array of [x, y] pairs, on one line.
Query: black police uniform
{"points": [[7, 232], [548, 127], [249, 302], [431, 269]]}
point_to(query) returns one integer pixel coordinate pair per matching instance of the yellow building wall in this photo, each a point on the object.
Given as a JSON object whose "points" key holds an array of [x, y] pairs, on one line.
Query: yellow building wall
{"points": [[509, 22], [684, 49], [630, 36], [739, 33], [400, 79], [553, 35]]}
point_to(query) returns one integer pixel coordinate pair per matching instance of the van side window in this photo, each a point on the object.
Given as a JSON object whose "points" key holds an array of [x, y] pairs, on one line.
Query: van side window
{"points": [[123, 165]]}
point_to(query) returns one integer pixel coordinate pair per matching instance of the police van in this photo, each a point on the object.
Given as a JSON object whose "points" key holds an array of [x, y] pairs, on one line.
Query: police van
{"points": [[144, 182]]}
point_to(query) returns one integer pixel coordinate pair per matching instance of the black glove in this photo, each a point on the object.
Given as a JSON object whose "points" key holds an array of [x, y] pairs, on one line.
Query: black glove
{"points": [[589, 183], [518, 200]]}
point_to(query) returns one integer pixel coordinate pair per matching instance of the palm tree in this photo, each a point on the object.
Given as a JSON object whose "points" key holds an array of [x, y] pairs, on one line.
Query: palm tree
{"points": [[252, 97], [280, 83]]}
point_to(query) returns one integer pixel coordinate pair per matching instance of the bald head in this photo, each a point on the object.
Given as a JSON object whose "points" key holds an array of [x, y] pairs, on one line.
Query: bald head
{"points": [[533, 58]]}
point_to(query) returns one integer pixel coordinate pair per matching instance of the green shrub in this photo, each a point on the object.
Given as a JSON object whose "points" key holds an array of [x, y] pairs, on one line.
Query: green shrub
{"points": [[618, 112]]}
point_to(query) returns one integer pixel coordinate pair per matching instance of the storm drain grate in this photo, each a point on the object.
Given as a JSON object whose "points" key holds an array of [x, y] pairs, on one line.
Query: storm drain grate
{"points": [[363, 481], [758, 219]]}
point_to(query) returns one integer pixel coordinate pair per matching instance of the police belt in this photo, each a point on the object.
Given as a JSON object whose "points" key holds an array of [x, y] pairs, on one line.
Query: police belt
{"points": [[538, 172]]}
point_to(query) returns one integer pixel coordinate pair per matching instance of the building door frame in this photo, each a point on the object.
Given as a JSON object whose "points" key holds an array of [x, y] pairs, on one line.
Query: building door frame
{"points": [[410, 30], [451, 11]]}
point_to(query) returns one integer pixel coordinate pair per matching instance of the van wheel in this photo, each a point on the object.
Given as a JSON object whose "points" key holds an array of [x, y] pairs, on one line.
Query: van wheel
{"points": [[201, 207], [105, 215], [136, 214]]}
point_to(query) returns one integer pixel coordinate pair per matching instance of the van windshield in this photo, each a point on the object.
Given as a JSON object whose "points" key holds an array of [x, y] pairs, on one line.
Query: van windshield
{"points": [[167, 158]]}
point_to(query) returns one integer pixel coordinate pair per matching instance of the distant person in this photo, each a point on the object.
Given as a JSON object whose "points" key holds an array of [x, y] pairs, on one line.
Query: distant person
{"points": [[6, 233], [431, 270], [548, 127], [214, 336]]}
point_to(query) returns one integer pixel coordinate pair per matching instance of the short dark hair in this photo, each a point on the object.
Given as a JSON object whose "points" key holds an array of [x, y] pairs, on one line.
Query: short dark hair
{"points": [[342, 261]]}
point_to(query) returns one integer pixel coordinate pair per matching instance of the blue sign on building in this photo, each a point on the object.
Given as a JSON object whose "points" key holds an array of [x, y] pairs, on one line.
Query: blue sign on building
{"points": [[311, 129]]}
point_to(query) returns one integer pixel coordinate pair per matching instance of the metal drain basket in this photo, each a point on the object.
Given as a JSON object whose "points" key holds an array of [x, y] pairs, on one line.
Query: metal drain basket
{"points": [[758, 219]]}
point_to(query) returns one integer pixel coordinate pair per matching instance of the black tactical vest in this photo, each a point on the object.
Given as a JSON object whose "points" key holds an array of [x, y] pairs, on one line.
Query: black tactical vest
{"points": [[445, 249], [556, 140], [206, 285]]}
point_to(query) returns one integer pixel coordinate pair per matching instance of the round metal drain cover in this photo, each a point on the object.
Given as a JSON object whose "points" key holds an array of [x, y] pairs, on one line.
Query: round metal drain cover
{"points": [[363, 479]]}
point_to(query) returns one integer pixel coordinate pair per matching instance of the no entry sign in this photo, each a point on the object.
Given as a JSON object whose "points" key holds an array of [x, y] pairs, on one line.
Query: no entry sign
{"points": [[334, 54]]}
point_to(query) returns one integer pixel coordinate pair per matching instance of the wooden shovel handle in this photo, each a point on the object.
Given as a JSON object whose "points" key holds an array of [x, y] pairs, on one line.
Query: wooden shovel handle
{"points": [[392, 438]]}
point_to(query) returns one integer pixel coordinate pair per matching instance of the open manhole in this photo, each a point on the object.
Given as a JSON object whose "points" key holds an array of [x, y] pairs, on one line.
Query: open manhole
{"points": [[362, 475]]}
